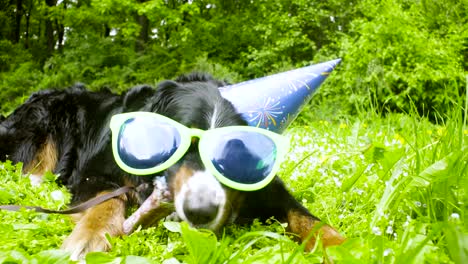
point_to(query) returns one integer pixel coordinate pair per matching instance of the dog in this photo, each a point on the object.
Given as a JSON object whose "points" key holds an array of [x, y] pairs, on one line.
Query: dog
{"points": [[67, 132]]}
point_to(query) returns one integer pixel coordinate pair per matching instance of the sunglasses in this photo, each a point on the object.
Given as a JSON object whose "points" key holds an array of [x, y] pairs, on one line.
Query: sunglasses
{"points": [[241, 157]]}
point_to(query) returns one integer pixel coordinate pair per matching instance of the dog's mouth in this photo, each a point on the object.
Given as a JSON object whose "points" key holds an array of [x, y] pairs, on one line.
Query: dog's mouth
{"points": [[156, 207], [199, 200]]}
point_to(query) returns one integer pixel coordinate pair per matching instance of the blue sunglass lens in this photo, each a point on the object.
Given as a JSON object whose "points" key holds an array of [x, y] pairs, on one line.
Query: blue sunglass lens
{"points": [[243, 157], [145, 142]]}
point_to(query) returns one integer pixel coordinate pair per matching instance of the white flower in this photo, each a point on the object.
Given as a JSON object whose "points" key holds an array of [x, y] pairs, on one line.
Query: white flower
{"points": [[337, 182], [376, 231], [389, 230], [455, 216], [387, 252], [358, 191], [57, 195]]}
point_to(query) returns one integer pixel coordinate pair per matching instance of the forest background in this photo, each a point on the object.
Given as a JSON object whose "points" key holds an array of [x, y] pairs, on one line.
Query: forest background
{"points": [[380, 153], [392, 50]]}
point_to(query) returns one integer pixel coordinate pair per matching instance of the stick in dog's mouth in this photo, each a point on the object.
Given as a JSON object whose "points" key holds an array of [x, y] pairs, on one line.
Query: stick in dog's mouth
{"points": [[156, 207]]}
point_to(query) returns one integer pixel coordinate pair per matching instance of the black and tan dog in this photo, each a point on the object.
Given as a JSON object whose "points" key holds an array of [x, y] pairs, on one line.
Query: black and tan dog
{"points": [[67, 132]]}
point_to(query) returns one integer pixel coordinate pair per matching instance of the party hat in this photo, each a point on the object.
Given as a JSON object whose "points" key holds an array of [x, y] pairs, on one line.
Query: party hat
{"points": [[273, 102]]}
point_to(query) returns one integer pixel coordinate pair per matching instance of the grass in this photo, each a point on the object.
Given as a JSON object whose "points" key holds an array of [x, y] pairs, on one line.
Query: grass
{"points": [[396, 187]]}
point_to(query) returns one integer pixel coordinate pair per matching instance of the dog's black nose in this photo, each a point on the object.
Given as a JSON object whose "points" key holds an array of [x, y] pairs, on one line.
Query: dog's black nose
{"points": [[199, 215]]}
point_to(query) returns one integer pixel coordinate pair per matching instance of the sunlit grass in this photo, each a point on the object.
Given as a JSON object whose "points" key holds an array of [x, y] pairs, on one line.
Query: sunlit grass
{"points": [[394, 186]]}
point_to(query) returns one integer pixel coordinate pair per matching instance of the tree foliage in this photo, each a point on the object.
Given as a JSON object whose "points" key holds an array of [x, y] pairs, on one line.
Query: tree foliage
{"points": [[394, 51], [406, 54]]}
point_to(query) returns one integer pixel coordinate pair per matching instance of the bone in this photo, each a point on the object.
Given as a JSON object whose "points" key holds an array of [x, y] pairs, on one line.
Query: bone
{"points": [[156, 207]]}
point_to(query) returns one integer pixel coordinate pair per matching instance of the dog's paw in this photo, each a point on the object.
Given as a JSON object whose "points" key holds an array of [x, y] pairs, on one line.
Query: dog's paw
{"points": [[328, 235], [78, 244], [308, 228], [89, 234]]}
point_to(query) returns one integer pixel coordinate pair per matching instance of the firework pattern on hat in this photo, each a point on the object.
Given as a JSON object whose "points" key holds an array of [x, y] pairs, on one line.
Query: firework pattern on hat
{"points": [[273, 102]]}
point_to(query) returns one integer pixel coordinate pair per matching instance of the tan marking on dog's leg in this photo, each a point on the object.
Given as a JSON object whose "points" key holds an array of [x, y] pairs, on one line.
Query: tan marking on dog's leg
{"points": [[45, 160], [92, 226], [302, 225]]}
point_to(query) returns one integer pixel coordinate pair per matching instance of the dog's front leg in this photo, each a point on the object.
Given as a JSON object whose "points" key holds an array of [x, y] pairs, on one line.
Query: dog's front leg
{"points": [[92, 226], [308, 227], [275, 201]]}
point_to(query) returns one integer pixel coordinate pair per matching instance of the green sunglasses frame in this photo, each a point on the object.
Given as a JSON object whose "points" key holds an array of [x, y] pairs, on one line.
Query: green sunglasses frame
{"points": [[186, 134]]}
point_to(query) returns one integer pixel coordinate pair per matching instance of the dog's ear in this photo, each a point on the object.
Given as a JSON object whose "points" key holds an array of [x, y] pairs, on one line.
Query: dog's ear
{"points": [[200, 77], [3, 130], [136, 98], [167, 86], [163, 97]]}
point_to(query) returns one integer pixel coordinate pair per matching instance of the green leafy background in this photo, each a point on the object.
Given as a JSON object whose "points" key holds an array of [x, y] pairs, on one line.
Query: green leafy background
{"points": [[380, 153]]}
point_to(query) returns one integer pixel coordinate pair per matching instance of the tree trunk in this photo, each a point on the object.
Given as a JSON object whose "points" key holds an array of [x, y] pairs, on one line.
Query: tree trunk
{"points": [[106, 31], [28, 19], [61, 29], [50, 29], [49, 36], [60, 34], [143, 37], [18, 16], [144, 32], [26, 41]]}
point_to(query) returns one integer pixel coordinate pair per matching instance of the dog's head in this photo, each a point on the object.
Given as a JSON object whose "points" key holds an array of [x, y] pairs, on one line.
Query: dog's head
{"points": [[199, 198]]}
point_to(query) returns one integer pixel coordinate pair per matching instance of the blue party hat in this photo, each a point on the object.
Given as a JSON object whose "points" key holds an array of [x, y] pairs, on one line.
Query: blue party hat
{"points": [[273, 102]]}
